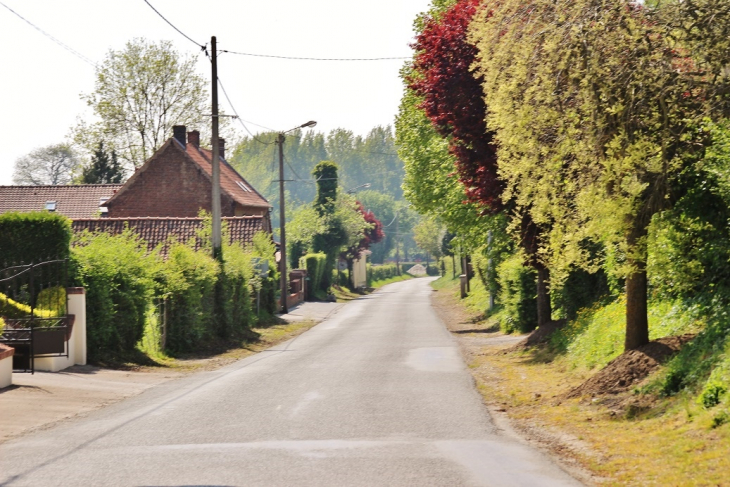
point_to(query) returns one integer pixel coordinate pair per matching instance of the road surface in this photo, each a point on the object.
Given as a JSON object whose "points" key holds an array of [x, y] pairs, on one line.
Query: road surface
{"points": [[377, 394]]}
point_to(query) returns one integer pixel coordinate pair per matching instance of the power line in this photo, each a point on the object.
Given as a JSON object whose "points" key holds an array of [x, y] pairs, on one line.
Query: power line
{"points": [[225, 93], [295, 58], [69, 49], [201, 46], [220, 83]]}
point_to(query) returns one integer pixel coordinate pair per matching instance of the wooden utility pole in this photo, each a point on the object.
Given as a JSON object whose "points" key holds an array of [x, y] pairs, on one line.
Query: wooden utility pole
{"points": [[282, 227], [216, 203], [397, 243]]}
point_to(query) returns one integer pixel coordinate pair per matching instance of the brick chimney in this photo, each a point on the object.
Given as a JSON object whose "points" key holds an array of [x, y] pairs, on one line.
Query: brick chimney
{"points": [[178, 131], [222, 148], [194, 138]]}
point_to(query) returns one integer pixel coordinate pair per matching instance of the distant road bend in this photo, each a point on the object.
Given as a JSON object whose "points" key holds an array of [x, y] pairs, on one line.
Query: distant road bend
{"points": [[376, 395]]}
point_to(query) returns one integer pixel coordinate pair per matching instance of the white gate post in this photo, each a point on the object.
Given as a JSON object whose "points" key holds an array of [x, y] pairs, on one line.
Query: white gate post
{"points": [[77, 307]]}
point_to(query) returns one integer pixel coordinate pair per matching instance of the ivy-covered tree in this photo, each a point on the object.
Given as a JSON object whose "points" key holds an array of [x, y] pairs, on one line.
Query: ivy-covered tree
{"points": [[331, 224]]}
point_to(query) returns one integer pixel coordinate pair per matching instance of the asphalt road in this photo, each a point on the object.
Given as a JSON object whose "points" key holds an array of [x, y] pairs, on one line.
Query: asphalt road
{"points": [[377, 394]]}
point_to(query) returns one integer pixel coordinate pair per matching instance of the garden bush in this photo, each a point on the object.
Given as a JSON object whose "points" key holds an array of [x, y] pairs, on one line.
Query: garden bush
{"points": [[33, 237], [117, 275], [380, 272], [187, 282], [517, 293], [263, 247], [314, 264], [239, 277]]}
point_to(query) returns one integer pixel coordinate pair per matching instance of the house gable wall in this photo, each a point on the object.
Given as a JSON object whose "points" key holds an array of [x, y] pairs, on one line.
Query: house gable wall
{"points": [[170, 185]]}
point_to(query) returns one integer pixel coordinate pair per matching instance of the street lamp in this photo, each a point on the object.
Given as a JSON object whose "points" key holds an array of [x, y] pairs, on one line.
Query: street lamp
{"points": [[282, 216], [352, 190]]}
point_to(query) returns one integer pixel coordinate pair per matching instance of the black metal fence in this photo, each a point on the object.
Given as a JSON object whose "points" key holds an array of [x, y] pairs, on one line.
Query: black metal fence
{"points": [[33, 311]]}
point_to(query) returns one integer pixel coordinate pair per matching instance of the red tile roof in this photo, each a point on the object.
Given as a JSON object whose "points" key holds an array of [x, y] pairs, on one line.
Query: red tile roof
{"points": [[232, 183], [73, 201], [157, 231]]}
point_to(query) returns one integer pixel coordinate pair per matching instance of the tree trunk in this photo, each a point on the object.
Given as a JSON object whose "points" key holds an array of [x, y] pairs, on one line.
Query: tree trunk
{"points": [[637, 321], [544, 311], [453, 266]]}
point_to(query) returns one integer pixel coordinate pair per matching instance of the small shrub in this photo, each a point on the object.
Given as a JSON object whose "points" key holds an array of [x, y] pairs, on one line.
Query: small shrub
{"points": [[53, 299], [380, 272], [117, 275], [9, 308], [712, 394], [314, 264], [517, 294], [716, 386], [721, 418]]}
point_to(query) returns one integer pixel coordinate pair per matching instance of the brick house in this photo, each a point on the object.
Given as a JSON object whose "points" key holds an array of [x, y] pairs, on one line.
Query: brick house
{"points": [[162, 198], [176, 182]]}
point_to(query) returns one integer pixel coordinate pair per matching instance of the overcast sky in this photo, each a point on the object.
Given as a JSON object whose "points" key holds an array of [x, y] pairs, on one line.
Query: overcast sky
{"points": [[41, 81]]}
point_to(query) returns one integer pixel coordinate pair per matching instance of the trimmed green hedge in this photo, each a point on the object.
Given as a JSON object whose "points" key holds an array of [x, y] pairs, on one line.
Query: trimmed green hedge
{"points": [[517, 294], [187, 281], [380, 272], [123, 282], [117, 275], [33, 237], [315, 265]]}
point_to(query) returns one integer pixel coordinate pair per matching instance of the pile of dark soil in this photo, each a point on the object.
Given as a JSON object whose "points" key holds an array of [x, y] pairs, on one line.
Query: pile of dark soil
{"points": [[630, 367]]}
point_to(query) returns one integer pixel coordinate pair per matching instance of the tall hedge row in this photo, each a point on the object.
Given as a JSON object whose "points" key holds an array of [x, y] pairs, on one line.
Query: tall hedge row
{"points": [[33, 237], [117, 275], [380, 272], [123, 282]]}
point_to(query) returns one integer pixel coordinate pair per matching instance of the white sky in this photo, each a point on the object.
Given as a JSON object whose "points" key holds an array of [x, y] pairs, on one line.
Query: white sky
{"points": [[40, 82]]}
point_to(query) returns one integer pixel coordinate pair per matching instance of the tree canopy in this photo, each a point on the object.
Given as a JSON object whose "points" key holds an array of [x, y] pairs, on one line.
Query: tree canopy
{"points": [[53, 164], [140, 92], [597, 107], [451, 97], [103, 169]]}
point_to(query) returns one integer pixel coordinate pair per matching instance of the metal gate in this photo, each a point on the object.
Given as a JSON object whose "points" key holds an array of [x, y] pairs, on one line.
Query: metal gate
{"points": [[33, 304]]}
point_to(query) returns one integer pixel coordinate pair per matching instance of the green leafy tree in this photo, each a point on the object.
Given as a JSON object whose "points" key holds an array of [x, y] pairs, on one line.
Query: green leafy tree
{"points": [[597, 107], [428, 234], [104, 168], [140, 92], [54, 164]]}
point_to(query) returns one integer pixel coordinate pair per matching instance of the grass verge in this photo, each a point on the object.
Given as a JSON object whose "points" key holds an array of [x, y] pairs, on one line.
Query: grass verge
{"points": [[636, 438], [265, 335]]}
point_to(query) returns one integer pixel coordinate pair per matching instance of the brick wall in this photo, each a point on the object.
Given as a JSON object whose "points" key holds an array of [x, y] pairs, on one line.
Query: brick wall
{"points": [[168, 186]]}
